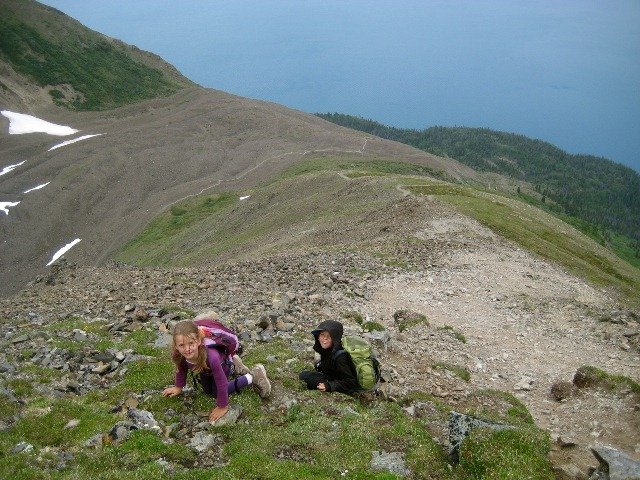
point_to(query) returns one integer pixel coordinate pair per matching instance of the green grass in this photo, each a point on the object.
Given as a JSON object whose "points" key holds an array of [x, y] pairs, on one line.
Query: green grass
{"points": [[330, 436], [155, 244], [280, 216], [40, 374], [184, 313], [594, 376], [61, 334], [354, 166], [456, 334], [497, 455], [623, 246], [48, 429], [546, 236], [412, 320], [457, 370], [391, 260], [353, 316], [102, 73], [372, 327], [204, 227], [501, 407]]}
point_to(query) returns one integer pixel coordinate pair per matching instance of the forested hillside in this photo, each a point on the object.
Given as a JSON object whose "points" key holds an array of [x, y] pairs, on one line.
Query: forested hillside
{"points": [[591, 188]]}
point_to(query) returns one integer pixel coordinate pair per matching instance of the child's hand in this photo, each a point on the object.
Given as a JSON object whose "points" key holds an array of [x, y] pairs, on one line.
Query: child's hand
{"points": [[171, 391], [218, 413], [322, 387]]}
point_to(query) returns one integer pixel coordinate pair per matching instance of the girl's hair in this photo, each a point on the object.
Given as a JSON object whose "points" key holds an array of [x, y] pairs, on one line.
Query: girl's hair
{"points": [[188, 329]]}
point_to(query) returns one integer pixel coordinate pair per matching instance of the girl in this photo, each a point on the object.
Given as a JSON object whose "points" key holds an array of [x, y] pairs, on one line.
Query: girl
{"points": [[334, 373], [190, 353]]}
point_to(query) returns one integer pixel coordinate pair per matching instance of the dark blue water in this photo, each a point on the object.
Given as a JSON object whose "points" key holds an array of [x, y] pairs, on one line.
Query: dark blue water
{"points": [[567, 72]]}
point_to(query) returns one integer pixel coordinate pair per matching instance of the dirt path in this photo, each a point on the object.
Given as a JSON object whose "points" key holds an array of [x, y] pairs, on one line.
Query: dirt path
{"points": [[527, 324]]}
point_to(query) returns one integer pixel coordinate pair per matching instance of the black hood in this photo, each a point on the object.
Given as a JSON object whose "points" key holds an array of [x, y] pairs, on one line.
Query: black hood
{"points": [[335, 330]]}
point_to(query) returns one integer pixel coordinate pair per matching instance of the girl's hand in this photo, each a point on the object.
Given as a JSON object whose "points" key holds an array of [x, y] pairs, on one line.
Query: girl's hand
{"points": [[217, 413], [322, 387], [171, 391]]}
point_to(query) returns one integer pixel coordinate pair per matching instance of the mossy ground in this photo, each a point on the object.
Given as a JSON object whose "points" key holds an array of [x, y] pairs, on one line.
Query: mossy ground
{"points": [[296, 434]]}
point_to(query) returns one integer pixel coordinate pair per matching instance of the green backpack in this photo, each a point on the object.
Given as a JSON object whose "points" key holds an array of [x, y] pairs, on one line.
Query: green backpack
{"points": [[366, 364]]}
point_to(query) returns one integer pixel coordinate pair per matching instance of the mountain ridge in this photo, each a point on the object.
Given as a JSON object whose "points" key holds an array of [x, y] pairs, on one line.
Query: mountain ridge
{"points": [[594, 189]]}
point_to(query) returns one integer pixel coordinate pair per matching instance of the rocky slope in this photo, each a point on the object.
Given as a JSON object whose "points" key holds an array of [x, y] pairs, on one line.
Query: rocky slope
{"points": [[513, 321]]}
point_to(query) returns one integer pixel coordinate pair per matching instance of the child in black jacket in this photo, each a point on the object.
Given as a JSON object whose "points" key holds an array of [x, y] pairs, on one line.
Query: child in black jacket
{"points": [[334, 373]]}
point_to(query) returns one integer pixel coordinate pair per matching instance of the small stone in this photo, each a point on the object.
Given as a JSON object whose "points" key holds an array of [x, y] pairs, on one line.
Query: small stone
{"points": [[561, 390], [121, 430], [202, 441], [140, 314], [566, 442], [410, 410], [392, 462], [72, 423], [143, 419], [230, 417], [6, 368], [569, 470], [524, 384], [617, 464], [95, 441], [316, 299], [101, 368], [208, 315], [79, 335], [104, 357], [22, 447]]}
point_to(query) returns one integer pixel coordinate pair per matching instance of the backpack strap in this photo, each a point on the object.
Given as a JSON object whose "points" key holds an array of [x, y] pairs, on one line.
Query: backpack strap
{"points": [[195, 381], [337, 353]]}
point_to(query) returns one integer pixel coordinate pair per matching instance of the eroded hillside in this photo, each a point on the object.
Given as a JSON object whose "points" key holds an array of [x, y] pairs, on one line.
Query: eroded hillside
{"points": [[148, 156]]}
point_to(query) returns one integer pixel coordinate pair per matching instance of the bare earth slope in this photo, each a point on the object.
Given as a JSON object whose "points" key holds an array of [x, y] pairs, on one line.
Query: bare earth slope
{"points": [[105, 189]]}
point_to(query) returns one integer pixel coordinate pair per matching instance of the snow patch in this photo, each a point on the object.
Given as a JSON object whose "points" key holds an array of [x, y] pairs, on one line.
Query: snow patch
{"points": [[37, 187], [74, 140], [4, 206], [11, 167], [20, 123], [62, 251]]}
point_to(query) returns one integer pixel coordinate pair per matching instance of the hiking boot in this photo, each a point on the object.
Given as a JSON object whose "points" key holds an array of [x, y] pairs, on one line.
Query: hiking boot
{"points": [[238, 367], [260, 380]]}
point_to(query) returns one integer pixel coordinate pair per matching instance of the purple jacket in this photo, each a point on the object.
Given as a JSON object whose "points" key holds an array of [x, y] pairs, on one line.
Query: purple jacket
{"points": [[214, 362]]}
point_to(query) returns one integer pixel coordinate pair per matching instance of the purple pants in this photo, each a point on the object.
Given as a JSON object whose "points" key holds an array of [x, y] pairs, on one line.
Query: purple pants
{"points": [[234, 385]]}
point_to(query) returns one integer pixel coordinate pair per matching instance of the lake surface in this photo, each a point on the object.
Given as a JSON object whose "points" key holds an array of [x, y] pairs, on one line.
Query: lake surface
{"points": [[564, 72]]}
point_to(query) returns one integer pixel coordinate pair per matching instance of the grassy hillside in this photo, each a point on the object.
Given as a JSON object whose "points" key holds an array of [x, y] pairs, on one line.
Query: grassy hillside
{"points": [[302, 434], [596, 190], [342, 203], [81, 69]]}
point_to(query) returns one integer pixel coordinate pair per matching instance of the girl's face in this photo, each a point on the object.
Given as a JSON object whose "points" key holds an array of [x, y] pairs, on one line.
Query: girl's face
{"points": [[324, 338], [187, 346]]}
